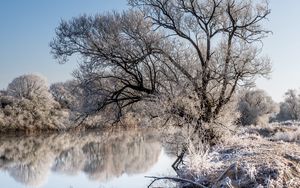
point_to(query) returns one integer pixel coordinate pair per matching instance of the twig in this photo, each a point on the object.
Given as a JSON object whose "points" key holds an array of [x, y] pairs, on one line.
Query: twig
{"points": [[81, 121], [232, 166], [179, 160], [268, 184], [174, 179]]}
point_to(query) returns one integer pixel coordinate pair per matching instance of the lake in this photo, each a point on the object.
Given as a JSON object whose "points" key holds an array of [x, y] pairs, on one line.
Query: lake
{"points": [[89, 159]]}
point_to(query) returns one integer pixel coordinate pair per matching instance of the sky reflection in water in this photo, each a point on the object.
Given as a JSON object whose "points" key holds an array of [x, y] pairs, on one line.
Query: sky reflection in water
{"points": [[95, 159]]}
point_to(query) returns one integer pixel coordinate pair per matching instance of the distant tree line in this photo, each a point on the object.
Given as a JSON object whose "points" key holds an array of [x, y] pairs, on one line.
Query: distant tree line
{"points": [[29, 103]]}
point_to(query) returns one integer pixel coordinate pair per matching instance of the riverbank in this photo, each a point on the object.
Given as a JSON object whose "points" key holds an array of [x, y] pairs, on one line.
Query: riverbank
{"points": [[253, 157]]}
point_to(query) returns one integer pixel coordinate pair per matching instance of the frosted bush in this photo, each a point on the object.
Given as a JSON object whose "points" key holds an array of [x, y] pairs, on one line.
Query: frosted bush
{"points": [[290, 107], [288, 136], [31, 87], [200, 160], [29, 106], [256, 107]]}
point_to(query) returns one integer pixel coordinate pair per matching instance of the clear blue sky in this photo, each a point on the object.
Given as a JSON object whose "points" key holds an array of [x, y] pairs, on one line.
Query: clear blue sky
{"points": [[28, 26]]}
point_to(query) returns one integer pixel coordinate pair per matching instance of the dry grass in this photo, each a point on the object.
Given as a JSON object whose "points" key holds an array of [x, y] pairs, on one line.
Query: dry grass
{"points": [[292, 135], [248, 160], [201, 160]]}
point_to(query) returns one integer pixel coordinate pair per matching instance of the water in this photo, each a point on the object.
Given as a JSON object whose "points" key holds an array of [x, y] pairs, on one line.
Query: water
{"points": [[95, 159]]}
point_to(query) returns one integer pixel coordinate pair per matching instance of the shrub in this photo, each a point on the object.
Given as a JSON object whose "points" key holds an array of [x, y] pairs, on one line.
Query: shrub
{"points": [[29, 106], [290, 107], [256, 107]]}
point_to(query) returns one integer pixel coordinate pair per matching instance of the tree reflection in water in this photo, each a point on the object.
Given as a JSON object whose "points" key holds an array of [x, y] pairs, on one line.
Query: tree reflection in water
{"points": [[100, 155]]}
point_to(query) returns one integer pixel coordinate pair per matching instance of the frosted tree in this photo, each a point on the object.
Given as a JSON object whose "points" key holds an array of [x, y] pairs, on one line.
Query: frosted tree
{"points": [[290, 107], [256, 107], [222, 36], [31, 87], [122, 63], [209, 48], [67, 94], [30, 106]]}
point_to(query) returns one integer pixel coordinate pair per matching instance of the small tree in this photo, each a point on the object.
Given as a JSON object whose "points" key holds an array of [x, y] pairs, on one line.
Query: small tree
{"points": [[290, 107], [31, 87], [256, 107], [30, 106]]}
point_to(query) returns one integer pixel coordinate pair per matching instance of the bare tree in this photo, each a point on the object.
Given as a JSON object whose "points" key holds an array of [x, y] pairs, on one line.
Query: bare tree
{"points": [[211, 47], [120, 61], [223, 37]]}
